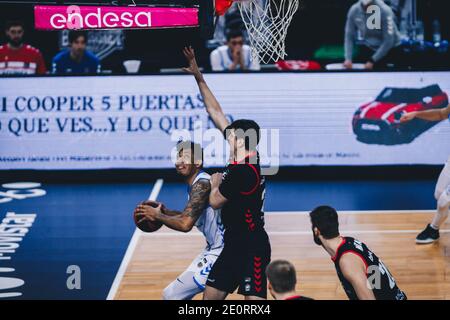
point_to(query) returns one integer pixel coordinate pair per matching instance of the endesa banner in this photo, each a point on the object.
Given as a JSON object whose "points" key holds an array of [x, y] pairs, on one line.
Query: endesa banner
{"points": [[135, 121], [104, 17]]}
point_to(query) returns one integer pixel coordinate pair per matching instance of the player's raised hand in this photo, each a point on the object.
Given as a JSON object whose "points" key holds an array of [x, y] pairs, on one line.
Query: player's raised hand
{"points": [[192, 62], [408, 117]]}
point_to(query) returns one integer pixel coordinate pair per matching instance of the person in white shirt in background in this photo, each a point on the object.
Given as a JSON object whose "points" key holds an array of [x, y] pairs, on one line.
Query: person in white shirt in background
{"points": [[234, 55]]}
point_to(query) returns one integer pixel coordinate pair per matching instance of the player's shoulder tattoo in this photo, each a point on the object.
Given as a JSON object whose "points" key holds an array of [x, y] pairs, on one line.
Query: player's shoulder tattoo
{"points": [[198, 198]]}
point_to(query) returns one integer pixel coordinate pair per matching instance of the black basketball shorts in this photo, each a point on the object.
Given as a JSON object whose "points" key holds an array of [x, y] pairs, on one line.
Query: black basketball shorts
{"points": [[242, 265]]}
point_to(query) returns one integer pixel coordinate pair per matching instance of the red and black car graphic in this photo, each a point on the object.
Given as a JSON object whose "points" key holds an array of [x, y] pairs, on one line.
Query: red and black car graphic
{"points": [[378, 122]]}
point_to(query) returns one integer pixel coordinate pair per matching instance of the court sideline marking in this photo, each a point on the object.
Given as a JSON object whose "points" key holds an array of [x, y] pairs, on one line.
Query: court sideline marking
{"points": [[131, 246]]}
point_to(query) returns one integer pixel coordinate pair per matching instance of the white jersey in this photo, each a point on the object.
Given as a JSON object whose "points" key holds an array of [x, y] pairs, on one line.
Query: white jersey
{"points": [[210, 223], [193, 280]]}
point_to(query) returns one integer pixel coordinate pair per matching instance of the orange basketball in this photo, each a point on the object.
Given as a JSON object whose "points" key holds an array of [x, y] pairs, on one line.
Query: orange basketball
{"points": [[147, 225]]}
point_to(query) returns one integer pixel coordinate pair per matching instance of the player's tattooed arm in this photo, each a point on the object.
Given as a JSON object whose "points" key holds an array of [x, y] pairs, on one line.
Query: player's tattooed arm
{"points": [[212, 105], [185, 220]]}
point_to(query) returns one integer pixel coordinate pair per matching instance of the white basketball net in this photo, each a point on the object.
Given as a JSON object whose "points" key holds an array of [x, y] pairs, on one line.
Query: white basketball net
{"points": [[267, 22]]}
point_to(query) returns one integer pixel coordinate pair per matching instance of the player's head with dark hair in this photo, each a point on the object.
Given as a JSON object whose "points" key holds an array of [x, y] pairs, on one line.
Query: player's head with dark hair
{"points": [[78, 42], [14, 23], [74, 35], [242, 135], [282, 277], [234, 33], [14, 31], [189, 158], [235, 38], [325, 223]]}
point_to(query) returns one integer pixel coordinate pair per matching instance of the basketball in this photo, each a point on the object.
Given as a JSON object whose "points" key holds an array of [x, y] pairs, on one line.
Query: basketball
{"points": [[147, 225]]}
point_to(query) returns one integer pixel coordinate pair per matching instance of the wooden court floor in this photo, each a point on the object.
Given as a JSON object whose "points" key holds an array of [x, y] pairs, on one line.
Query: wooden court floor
{"points": [[423, 272]]}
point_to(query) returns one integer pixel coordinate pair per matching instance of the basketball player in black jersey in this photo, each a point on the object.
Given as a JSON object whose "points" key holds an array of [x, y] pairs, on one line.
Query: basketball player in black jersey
{"points": [[239, 192], [362, 274], [282, 278]]}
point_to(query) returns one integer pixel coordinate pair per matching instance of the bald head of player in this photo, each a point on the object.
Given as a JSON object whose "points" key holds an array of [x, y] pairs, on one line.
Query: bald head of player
{"points": [[243, 136], [189, 159], [282, 279]]}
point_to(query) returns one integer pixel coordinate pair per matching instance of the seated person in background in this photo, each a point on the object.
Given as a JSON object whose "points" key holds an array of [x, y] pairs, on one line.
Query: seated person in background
{"points": [[282, 278], [76, 59], [19, 58], [235, 55], [381, 40]]}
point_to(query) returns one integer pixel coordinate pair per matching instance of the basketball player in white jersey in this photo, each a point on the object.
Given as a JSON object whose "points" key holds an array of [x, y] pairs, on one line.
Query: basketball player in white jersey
{"points": [[197, 212], [442, 191]]}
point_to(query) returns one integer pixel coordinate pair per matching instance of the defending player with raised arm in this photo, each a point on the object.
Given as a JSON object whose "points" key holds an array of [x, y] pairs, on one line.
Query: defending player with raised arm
{"points": [[212, 105], [442, 190], [362, 274], [240, 193], [197, 212]]}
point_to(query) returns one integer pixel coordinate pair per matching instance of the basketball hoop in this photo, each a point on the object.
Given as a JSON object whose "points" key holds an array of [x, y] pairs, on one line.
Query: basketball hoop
{"points": [[267, 22]]}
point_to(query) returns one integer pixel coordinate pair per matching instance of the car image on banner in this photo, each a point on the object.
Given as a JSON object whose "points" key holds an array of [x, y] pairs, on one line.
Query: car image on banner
{"points": [[133, 122], [378, 122]]}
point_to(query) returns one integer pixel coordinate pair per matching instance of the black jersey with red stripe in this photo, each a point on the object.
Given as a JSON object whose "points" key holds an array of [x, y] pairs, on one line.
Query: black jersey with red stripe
{"points": [[379, 278], [244, 188]]}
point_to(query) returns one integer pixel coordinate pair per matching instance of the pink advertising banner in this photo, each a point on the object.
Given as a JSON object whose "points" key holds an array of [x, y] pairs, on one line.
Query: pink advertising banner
{"points": [[104, 17]]}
